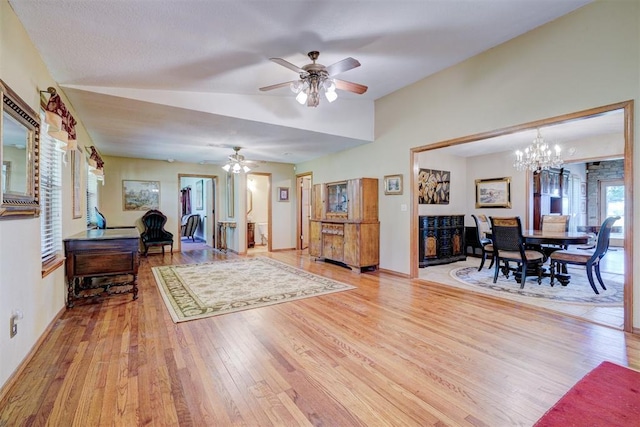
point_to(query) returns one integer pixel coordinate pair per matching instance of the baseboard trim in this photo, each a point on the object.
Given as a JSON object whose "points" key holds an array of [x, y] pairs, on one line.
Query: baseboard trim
{"points": [[394, 273], [12, 379]]}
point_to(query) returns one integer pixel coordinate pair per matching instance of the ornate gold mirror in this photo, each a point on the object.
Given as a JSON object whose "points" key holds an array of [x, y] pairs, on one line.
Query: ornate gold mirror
{"points": [[19, 139]]}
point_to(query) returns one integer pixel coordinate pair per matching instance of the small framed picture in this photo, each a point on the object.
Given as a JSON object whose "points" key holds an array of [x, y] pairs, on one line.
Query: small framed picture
{"points": [[393, 184], [283, 194]]}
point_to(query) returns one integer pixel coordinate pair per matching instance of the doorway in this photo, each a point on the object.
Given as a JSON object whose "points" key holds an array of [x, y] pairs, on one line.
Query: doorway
{"points": [[197, 210], [258, 213], [486, 139], [303, 208]]}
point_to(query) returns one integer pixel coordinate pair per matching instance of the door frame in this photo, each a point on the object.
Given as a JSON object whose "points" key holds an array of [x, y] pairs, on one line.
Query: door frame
{"points": [[214, 199], [626, 106], [299, 181]]}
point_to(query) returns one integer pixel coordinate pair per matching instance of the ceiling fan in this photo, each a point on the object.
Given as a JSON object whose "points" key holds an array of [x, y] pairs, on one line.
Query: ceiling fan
{"points": [[315, 78], [237, 163]]}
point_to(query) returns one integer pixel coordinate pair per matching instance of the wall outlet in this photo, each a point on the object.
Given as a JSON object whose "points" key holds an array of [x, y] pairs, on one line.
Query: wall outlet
{"points": [[13, 327], [13, 323]]}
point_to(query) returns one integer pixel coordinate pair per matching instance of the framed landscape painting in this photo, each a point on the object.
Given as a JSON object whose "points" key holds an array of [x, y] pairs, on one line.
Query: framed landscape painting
{"points": [[140, 195], [493, 193]]}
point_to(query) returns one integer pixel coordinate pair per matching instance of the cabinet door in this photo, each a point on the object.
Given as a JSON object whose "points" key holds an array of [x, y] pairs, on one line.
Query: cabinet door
{"points": [[333, 247], [315, 238], [317, 202]]}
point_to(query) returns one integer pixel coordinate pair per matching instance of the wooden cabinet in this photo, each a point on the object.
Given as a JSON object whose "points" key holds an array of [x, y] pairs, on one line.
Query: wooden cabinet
{"points": [[550, 191], [344, 225], [102, 261], [442, 239], [251, 232]]}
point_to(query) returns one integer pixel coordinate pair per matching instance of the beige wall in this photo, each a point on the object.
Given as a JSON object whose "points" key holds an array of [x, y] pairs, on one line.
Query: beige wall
{"points": [[118, 169], [21, 284], [583, 60]]}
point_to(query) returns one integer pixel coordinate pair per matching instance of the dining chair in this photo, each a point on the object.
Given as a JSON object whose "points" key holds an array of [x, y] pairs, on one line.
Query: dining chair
{"points": [[590, 259], [486, 244], [509, 246], [554, 224]]}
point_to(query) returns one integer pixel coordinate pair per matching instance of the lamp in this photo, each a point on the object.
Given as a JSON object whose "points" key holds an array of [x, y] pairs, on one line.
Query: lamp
{"points": [[538, 156], [236, 163], [310, 85]]}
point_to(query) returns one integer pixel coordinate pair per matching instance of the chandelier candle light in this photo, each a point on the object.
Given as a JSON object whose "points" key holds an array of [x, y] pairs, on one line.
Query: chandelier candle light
{"points": [[538, 156]]}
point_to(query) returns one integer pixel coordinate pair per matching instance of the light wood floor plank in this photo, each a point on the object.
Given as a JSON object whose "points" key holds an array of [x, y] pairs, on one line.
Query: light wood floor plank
{"points": [[390, 352]]}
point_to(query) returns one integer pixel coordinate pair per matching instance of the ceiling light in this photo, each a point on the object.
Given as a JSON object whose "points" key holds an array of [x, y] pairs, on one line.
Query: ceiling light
{"points": [[538, 156], [237, 163]]}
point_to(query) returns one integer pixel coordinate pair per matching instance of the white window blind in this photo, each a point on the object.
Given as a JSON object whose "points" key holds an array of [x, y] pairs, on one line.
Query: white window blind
{"points": [[92, 197], [50, 195]]}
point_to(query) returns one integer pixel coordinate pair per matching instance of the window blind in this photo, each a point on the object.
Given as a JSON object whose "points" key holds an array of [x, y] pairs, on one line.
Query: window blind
{"points": [[50, 195]]}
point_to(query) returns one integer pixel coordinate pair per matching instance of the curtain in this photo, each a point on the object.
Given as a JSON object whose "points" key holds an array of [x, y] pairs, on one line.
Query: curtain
{"points": [[62, 125], [186, 201]]}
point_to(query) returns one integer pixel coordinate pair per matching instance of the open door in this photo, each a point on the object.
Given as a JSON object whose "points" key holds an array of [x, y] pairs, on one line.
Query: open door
{"points": [[303, 185]]}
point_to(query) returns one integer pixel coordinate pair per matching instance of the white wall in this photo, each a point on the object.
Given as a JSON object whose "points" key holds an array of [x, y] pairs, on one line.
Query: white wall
{"points": [[583, 60], [21, 283]]}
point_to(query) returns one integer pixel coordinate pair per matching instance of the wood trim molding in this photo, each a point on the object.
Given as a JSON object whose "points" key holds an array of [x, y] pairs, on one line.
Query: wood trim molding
{"points": [[627, 106]]}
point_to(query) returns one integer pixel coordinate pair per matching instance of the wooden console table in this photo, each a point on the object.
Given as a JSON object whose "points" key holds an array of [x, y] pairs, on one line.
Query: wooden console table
{"points": [[102, 261], [223, 226]]}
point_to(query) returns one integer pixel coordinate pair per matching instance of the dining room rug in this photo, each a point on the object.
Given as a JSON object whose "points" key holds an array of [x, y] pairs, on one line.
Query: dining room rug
{"points": [[609, 395], [196, 291], [578, 291]]}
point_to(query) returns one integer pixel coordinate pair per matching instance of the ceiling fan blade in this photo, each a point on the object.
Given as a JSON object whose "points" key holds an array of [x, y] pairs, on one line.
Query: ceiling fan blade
{"points": [[288, 65], [276, 86], [342, 66], [349, 86]]}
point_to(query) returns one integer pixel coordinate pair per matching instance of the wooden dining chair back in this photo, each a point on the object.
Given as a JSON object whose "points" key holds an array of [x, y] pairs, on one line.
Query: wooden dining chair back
{"points": [[509, 246], [554, 224], [590, 259], [486, 244]]}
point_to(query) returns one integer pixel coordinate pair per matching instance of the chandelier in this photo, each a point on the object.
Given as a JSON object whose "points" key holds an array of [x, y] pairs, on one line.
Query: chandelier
{"points": [[309, 86], [236, 163], [538, 156]]}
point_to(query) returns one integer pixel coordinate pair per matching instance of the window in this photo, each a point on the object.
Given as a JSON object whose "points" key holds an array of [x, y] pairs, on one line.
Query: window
{"points": [[92, 197], [50, 195]]}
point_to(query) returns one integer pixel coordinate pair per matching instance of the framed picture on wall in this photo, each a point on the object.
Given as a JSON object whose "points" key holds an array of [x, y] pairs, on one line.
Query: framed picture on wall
{"points": [[283, 194], [493, 193], [393, 184], [199, 195], [140, 195], [433, 187]]}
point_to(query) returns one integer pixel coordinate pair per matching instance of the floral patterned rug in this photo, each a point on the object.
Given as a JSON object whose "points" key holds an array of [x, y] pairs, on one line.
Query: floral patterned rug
{"points": [[196, 291], [578, 291]]}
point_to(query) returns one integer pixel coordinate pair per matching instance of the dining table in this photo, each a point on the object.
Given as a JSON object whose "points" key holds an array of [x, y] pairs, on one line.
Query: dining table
{"points": [[539, 237], [559, 238]]}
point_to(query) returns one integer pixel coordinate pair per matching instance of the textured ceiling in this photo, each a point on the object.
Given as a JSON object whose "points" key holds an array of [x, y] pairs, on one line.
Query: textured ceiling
{"points": [[179, 79]]}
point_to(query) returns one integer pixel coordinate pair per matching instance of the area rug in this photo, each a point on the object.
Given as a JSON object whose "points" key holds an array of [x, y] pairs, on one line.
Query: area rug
{"points": [[578, 291], [607, 396], [195, 291]]}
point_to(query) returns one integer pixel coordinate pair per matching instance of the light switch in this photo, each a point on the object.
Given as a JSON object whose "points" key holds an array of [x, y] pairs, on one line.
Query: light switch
{"points": [[403, 207]]}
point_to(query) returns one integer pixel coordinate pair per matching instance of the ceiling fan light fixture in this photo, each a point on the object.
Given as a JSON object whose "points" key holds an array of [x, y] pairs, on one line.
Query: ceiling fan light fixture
{"points": [[246, 168], [331, 95], [302, 98], [296, 86], [226, 167]]}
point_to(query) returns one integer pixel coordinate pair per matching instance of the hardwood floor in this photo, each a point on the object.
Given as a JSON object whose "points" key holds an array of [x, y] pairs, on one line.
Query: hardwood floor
{"points": [[391, 352]]}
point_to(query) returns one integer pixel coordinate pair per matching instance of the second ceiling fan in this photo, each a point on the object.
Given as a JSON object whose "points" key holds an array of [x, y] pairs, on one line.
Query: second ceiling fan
{"points": [[315, 78]]}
